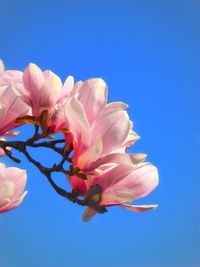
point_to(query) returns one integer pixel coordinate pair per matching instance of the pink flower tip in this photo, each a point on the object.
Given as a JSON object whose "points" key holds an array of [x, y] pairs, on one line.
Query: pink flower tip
{"points": [[12, 183]]}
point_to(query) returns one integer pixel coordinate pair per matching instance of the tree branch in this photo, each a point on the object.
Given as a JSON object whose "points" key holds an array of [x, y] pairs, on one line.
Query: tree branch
{"points": [[22, 147]]}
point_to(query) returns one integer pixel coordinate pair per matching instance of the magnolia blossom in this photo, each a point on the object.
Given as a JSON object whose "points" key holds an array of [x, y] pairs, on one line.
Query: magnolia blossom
{"points": [[121, 184], [12, 183], [108, 130], [56, 120], [11, 107], [97, 134], [42, 90], [9, 77]]}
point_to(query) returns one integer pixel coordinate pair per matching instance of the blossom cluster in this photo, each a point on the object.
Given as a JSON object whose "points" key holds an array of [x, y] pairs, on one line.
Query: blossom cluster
{"points": [[97, 135]]}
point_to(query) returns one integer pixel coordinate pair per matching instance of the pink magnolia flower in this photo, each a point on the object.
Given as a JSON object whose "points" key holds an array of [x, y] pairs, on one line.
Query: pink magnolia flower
{"points": [[110, 131], [42, 90], [91, 91], [97, 128], [11, 107], [9, 77], [12, 183], [56, 121], [118, 186], [92, 95]]}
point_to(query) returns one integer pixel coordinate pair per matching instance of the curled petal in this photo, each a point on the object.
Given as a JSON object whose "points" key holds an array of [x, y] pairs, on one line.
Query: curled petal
{"points": [[138, 208]]}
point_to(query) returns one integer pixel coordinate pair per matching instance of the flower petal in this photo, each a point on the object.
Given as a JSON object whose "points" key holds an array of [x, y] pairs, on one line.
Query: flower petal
{"points": [[67, 88], [33, 79], [78, 185], [90, 154], [88, 214], [12, 183], [117, 158], [113, 126], [76, 120], [2, 68], [138, 208], [136, 184], [50, 91], [93, 97]]}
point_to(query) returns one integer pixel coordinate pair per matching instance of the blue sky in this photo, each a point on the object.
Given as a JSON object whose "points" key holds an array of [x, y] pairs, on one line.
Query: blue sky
{"points": [[148, 53]]}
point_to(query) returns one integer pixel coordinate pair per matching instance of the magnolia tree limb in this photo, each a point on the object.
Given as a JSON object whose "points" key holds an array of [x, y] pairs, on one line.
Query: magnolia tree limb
{"points": [[21, 146]]}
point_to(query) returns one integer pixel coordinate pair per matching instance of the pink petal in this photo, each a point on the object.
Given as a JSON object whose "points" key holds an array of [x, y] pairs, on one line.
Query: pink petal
{"points": [[50, 91], [136, 184], [113, 126], [33, 80], [11, 108], [89, 155], [19, 178], [138, 208], [16, 203], [2, 68], [48, 73], [112, 177], [78, 185], [117, 158], [88, 214], [76, 120], [15, 133], [67, 88], [8, 77], [93, 97], [12, 183], [131, 139], [2, 153], [114, 106]]}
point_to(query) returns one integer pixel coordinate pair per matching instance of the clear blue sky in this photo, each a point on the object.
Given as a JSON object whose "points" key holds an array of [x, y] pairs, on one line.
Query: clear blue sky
{"points": [[148, 52]]}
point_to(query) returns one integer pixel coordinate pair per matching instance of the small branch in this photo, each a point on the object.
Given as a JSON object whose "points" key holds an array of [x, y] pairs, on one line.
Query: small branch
{"points": [[49, 144], [21, 147], [30, 142], [47, 172]]}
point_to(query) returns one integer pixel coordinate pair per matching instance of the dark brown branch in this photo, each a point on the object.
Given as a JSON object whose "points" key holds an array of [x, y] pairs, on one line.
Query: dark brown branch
{"points": [[22, 147], [47, 172]]}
